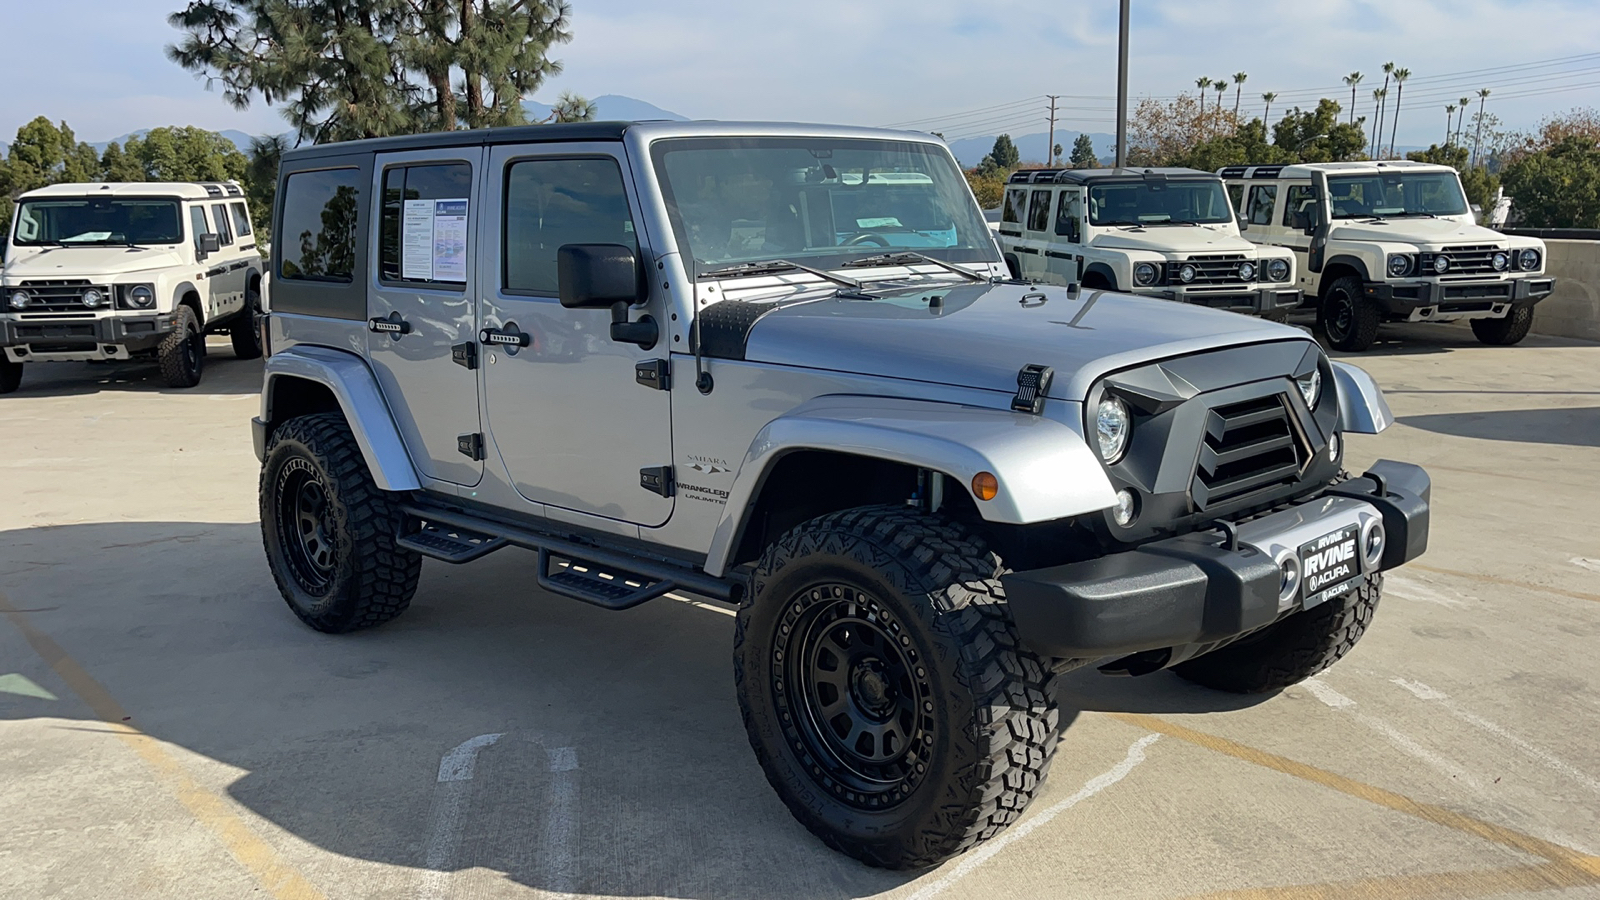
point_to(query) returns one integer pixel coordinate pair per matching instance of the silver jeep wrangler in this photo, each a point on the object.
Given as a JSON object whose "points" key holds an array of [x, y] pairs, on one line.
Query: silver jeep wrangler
{"points": [[785, 367]]}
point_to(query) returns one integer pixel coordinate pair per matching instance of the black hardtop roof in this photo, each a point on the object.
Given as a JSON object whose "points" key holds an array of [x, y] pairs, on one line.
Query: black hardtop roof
{"points": [[1085, 176], [565, 132]]}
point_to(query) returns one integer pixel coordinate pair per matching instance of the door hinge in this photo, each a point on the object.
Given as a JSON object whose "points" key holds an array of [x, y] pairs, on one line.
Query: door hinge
{"points": [[470, 445], [654, 373], [658, 480], [465, 355]]}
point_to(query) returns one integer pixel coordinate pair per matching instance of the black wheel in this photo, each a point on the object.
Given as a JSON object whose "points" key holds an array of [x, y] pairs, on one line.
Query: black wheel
{"points": [[183, 352], [1290, 651], [10, 375], [329, 532], [883, 688], [1347, 316], [245, 332], [1505, 331]]}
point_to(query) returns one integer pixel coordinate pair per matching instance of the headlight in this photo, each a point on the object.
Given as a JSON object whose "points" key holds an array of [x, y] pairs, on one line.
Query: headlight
{"points": [[19, 299], [1247, 271], [1528, 259], [1399, 264], [92, 298], [1111, 426], [1145, 273], [1186, 274], [140, 296], [1499, 261], [1441, 264], [1278, 270], [1310, 386]]}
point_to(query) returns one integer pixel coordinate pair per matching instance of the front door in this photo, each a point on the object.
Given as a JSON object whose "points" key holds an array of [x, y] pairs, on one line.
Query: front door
{"points": [[420, 329], [568, 416], [1299, 198]]}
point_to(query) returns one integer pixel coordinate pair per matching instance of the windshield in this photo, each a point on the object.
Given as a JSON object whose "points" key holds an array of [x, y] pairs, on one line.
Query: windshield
{"points": [[1392, 194], [98, 220], [821, 200], [1159, 203]]}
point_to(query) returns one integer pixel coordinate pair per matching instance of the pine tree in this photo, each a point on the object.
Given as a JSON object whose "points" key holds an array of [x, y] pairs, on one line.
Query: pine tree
{"points": [[1083, 155]]}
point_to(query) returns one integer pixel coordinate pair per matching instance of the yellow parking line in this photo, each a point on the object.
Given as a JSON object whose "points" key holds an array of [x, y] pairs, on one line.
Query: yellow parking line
{"points": [[275, 874], [1486, 883], [1508, 582], [1567, 864]]}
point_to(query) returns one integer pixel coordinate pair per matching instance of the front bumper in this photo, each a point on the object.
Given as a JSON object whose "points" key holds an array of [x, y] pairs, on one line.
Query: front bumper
{"points": [[106, 337], [1424, 299], [1195, 589], [1254, 301]]}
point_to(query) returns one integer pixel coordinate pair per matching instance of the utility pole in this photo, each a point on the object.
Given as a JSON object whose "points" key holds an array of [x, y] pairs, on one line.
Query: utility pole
{"points": [[1050, 145], [1122, 90]]}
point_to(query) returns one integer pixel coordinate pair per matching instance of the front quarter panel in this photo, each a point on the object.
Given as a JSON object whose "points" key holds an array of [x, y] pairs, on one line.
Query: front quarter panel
{"points": [[1045, 469], [1362, 408]]}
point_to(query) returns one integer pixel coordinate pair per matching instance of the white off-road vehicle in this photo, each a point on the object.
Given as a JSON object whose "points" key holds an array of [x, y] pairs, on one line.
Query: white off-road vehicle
{"points": [[129, 271], [1167, 233], [1392, 241]]}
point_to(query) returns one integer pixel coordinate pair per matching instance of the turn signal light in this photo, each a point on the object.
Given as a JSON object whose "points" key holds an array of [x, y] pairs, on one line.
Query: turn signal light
{"points": [[985, 486]]}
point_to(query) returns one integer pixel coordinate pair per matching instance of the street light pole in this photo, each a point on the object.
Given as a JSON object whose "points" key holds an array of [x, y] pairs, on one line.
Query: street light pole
{"points": [[1122, 90]]}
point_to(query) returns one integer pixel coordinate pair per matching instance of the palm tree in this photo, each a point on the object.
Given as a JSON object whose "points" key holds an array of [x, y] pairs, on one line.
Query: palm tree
{"points": [[1465, 102], [1400, 76], [1238, 89], [1266, 114], [1377, 116], [1202, 83], [1483, 97], [1449, 116], [1353, 79], [1383, 107], [1221, 87]]}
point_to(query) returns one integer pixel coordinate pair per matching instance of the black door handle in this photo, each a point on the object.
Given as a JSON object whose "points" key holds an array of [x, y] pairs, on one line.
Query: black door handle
{"points": [[392, 325], [509, 336]]}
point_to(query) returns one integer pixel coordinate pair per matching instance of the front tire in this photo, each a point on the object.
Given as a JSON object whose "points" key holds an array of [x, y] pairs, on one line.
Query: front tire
{"points": [[328, 530], [883, 688], [1504, 332], [183, 352], [10, 375], [1347, 316], [1292, 650], [245, 332]]}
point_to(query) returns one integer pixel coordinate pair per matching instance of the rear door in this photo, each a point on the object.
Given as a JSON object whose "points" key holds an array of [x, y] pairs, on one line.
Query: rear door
{"points": [[1036, 238], [1064, 254], [421, 336]]}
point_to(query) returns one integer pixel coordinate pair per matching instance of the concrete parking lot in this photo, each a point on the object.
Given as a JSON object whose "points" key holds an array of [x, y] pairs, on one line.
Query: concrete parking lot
{"points": [[168, 728]]}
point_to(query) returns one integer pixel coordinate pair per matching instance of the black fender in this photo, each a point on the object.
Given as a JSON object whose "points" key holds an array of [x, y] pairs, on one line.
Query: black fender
{"points": [[1104, 271], [1353, 262], [1013, 265]]}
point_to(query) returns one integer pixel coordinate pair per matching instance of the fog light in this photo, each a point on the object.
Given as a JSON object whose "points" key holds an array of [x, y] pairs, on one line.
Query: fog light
{"points": [[1372, 546], [1333, 448], [1187, 274], [1126, 509], [1288, 578], [19, 300], [92, 298]]}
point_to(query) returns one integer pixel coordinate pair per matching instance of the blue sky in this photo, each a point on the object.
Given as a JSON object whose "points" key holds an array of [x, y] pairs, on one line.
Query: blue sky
{"points": [[894, 61]]}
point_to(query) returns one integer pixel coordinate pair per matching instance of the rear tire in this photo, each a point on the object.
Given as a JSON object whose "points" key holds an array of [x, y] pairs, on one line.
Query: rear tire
{"points": [[1505, 331], [183, 352], [1347, 316], [1292, 650], [883, 688], [10, 375], [245, 332], [328, 530]]}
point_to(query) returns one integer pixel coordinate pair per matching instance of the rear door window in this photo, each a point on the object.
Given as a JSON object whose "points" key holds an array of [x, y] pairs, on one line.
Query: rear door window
{"points": [[219, 213], [1039, 211], [422, 234]]}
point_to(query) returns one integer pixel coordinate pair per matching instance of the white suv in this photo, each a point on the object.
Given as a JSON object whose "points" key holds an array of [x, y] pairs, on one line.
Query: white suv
{"points": [[1167, 233], [129, 271], [1392, 241]]}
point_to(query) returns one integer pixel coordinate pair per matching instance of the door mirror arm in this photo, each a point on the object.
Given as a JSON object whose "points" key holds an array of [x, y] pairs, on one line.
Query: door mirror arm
{"points": [[644, 332]]}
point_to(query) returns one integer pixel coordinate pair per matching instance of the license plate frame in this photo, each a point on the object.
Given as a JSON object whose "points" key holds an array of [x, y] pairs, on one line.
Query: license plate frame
{"points": [[1330, 565]]}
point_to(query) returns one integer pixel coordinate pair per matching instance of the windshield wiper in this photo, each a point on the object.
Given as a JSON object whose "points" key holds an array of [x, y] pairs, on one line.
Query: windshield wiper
{"points": [[900, 256], [852, 287]]}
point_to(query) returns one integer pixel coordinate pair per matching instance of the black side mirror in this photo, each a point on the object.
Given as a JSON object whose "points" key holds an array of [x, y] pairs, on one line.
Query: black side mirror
{"points": [[210, 243], [595, 276], [1313, 216]]}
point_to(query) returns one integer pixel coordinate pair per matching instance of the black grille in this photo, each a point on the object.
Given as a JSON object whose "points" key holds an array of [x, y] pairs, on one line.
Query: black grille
{"points": [[1248, 448], [1217, 269], [1476, 259], [61, 294]]}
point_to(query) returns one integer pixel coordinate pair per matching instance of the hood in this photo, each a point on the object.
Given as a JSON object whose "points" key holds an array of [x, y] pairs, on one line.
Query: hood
{"points": [[90, 262], [982, 334], [1416, 231], [1174, 239]]}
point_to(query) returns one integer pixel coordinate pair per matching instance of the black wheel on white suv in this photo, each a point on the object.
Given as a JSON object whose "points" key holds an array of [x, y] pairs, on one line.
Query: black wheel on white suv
{"points": [[182, 353], [884, 690], [245, 332], [1504, 332], [1347, 316], [10, 374], [329, 531]]}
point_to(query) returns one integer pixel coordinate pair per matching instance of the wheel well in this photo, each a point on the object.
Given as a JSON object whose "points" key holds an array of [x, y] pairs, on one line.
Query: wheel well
{"points": [[1334, 272], [253, 281], [290, 397], [1098, 278], [191, 299], [810, 483]]}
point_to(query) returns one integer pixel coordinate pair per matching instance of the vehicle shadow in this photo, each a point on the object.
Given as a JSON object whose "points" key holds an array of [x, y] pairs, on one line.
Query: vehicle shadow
{"points": [[224, 374], [1577, 426], [1421, 339], [1087, 690]]}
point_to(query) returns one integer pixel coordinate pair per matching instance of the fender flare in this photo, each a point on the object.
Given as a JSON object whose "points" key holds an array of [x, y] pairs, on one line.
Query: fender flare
{"points": [[186, 287], [1045, 469], [1362, 409], [1103, 270], [1354, 262], [356, 389]]}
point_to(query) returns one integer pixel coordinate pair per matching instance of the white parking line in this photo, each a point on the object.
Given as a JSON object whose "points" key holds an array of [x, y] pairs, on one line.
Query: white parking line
{"points": [[701, 604], [1405, 744], [1423, 692], [1021, 830], [1411, 589], [450, 795], [1584, 562]]}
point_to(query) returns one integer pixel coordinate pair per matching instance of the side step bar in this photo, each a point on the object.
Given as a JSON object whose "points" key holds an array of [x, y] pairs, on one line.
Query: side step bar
{"points": [[594, 575]]}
